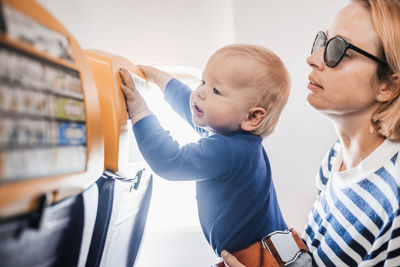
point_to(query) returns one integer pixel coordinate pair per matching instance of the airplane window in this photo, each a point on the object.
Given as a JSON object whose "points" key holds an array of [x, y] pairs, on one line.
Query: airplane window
{"points": [[173, 204]]}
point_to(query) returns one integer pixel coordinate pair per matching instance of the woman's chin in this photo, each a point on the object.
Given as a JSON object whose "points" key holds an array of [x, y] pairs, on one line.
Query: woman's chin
{"points": [[313, 102]]}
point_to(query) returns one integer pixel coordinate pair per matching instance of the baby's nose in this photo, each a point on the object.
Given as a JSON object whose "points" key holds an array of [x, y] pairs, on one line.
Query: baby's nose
{"points": [[201, 94]]}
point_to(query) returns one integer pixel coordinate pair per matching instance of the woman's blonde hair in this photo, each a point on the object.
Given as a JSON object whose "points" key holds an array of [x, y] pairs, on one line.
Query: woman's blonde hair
{"points": [[274, 84], [385, 15]]}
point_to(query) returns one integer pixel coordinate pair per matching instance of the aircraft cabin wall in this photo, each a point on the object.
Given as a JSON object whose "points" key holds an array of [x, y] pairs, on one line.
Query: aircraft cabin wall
{"points": [[183, 33]]}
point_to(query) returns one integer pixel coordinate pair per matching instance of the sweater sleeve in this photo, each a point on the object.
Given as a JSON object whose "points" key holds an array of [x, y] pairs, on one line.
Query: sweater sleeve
{"points": [[386, 247], [209, 158], [393, 242], [177, 95]]}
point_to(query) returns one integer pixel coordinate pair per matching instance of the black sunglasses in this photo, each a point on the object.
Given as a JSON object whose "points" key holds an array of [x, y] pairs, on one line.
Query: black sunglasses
{"points": [[336, 48]]}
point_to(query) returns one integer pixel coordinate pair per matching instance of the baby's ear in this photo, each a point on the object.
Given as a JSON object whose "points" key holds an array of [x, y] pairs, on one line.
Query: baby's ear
{"points": [[254, 119]]}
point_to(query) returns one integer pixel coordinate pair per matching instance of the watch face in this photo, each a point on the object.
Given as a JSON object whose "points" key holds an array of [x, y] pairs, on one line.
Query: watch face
{"points": [[285, 245]]}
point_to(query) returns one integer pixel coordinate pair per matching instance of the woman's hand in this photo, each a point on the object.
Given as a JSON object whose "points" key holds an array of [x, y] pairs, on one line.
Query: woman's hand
{"points": [[230, 260], [156, 76], [137, 107]]}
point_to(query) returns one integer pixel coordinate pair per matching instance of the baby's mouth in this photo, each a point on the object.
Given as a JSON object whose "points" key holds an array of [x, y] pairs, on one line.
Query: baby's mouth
{"points": [[197, 110]]}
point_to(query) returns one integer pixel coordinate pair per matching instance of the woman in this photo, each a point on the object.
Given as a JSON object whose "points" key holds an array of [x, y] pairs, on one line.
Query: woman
{"points": [[355, 82]]}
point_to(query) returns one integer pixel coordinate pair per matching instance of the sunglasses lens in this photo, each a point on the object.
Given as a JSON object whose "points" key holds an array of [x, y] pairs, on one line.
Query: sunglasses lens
{"points": [[334, 52], [319, 42]]}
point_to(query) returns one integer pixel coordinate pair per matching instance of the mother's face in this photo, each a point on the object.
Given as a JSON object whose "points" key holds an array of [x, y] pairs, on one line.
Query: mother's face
{"points": [[347, 88]]}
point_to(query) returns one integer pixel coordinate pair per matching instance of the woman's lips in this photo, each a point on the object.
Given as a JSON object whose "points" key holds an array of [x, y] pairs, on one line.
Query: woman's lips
{"points": [[197, 110], [314, 86]]}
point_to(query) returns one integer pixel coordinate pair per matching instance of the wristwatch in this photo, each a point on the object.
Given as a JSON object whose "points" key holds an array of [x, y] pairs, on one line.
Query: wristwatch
{"points": [[285, 246]]}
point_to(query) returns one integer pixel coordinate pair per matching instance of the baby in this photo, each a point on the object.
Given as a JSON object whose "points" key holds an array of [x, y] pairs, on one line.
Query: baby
{"points": [[238, 102]]}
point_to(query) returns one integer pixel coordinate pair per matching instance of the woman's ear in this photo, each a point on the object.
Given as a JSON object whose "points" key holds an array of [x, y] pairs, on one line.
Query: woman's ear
{"points": [[389, 90], [254, 119]]}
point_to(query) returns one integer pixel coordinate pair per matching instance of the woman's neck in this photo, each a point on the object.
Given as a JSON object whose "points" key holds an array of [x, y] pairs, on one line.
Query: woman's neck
{"points": [[358, 140]]}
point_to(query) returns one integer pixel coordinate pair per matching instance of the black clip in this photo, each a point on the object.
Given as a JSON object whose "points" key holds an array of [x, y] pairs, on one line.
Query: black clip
{"points": [[138, 178], [37, 216], [2, 21]]}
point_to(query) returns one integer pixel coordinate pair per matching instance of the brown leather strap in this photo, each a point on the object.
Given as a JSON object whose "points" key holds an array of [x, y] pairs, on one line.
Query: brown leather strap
{"points": [[298, 240], [257, 256]]}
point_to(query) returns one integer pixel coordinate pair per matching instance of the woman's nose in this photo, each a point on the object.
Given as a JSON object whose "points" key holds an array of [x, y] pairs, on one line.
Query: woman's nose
{"points": [[316, 60]]}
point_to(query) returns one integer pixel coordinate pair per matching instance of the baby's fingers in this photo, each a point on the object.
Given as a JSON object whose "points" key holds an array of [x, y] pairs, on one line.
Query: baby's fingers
{"points": [[124, 89], [128, 92], [126, 78], [148, 71], [230, 260]]}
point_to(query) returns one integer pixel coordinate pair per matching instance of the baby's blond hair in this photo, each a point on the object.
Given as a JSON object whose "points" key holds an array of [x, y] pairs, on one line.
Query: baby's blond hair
{"points": [[274, 84]]}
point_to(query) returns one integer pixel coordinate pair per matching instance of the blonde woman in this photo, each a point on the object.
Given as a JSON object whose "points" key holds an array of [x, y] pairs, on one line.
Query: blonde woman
{"points": [[355, 82]]}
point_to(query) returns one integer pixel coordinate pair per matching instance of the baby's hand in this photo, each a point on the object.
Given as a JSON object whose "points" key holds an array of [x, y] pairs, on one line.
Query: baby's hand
{"points": [[230, 260], [150, 72], [159, 77], [137, 107]]}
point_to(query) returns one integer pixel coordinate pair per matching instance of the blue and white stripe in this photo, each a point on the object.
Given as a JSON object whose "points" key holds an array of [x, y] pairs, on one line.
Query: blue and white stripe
{"points": [[356, 221]]}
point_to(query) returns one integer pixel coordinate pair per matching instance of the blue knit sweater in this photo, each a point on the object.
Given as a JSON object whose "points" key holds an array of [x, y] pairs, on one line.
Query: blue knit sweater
{"points": [[236, 197]]}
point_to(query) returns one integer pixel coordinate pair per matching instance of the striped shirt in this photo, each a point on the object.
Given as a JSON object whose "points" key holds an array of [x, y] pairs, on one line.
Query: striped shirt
{"points": [[355, 220]]}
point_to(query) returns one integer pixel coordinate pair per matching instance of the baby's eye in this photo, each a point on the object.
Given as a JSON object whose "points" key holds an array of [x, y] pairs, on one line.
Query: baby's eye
{"points": [[216, 91], [202, 83]]}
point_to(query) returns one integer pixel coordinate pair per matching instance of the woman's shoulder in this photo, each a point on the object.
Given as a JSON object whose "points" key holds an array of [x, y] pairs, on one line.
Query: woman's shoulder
{"points": [[389, 160], [394, 149], [391, 169]]}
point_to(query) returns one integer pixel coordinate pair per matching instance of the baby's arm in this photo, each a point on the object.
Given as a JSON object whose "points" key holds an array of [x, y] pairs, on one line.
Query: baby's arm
{"points": [[178, 96], [156, 76], [209, 158]]}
